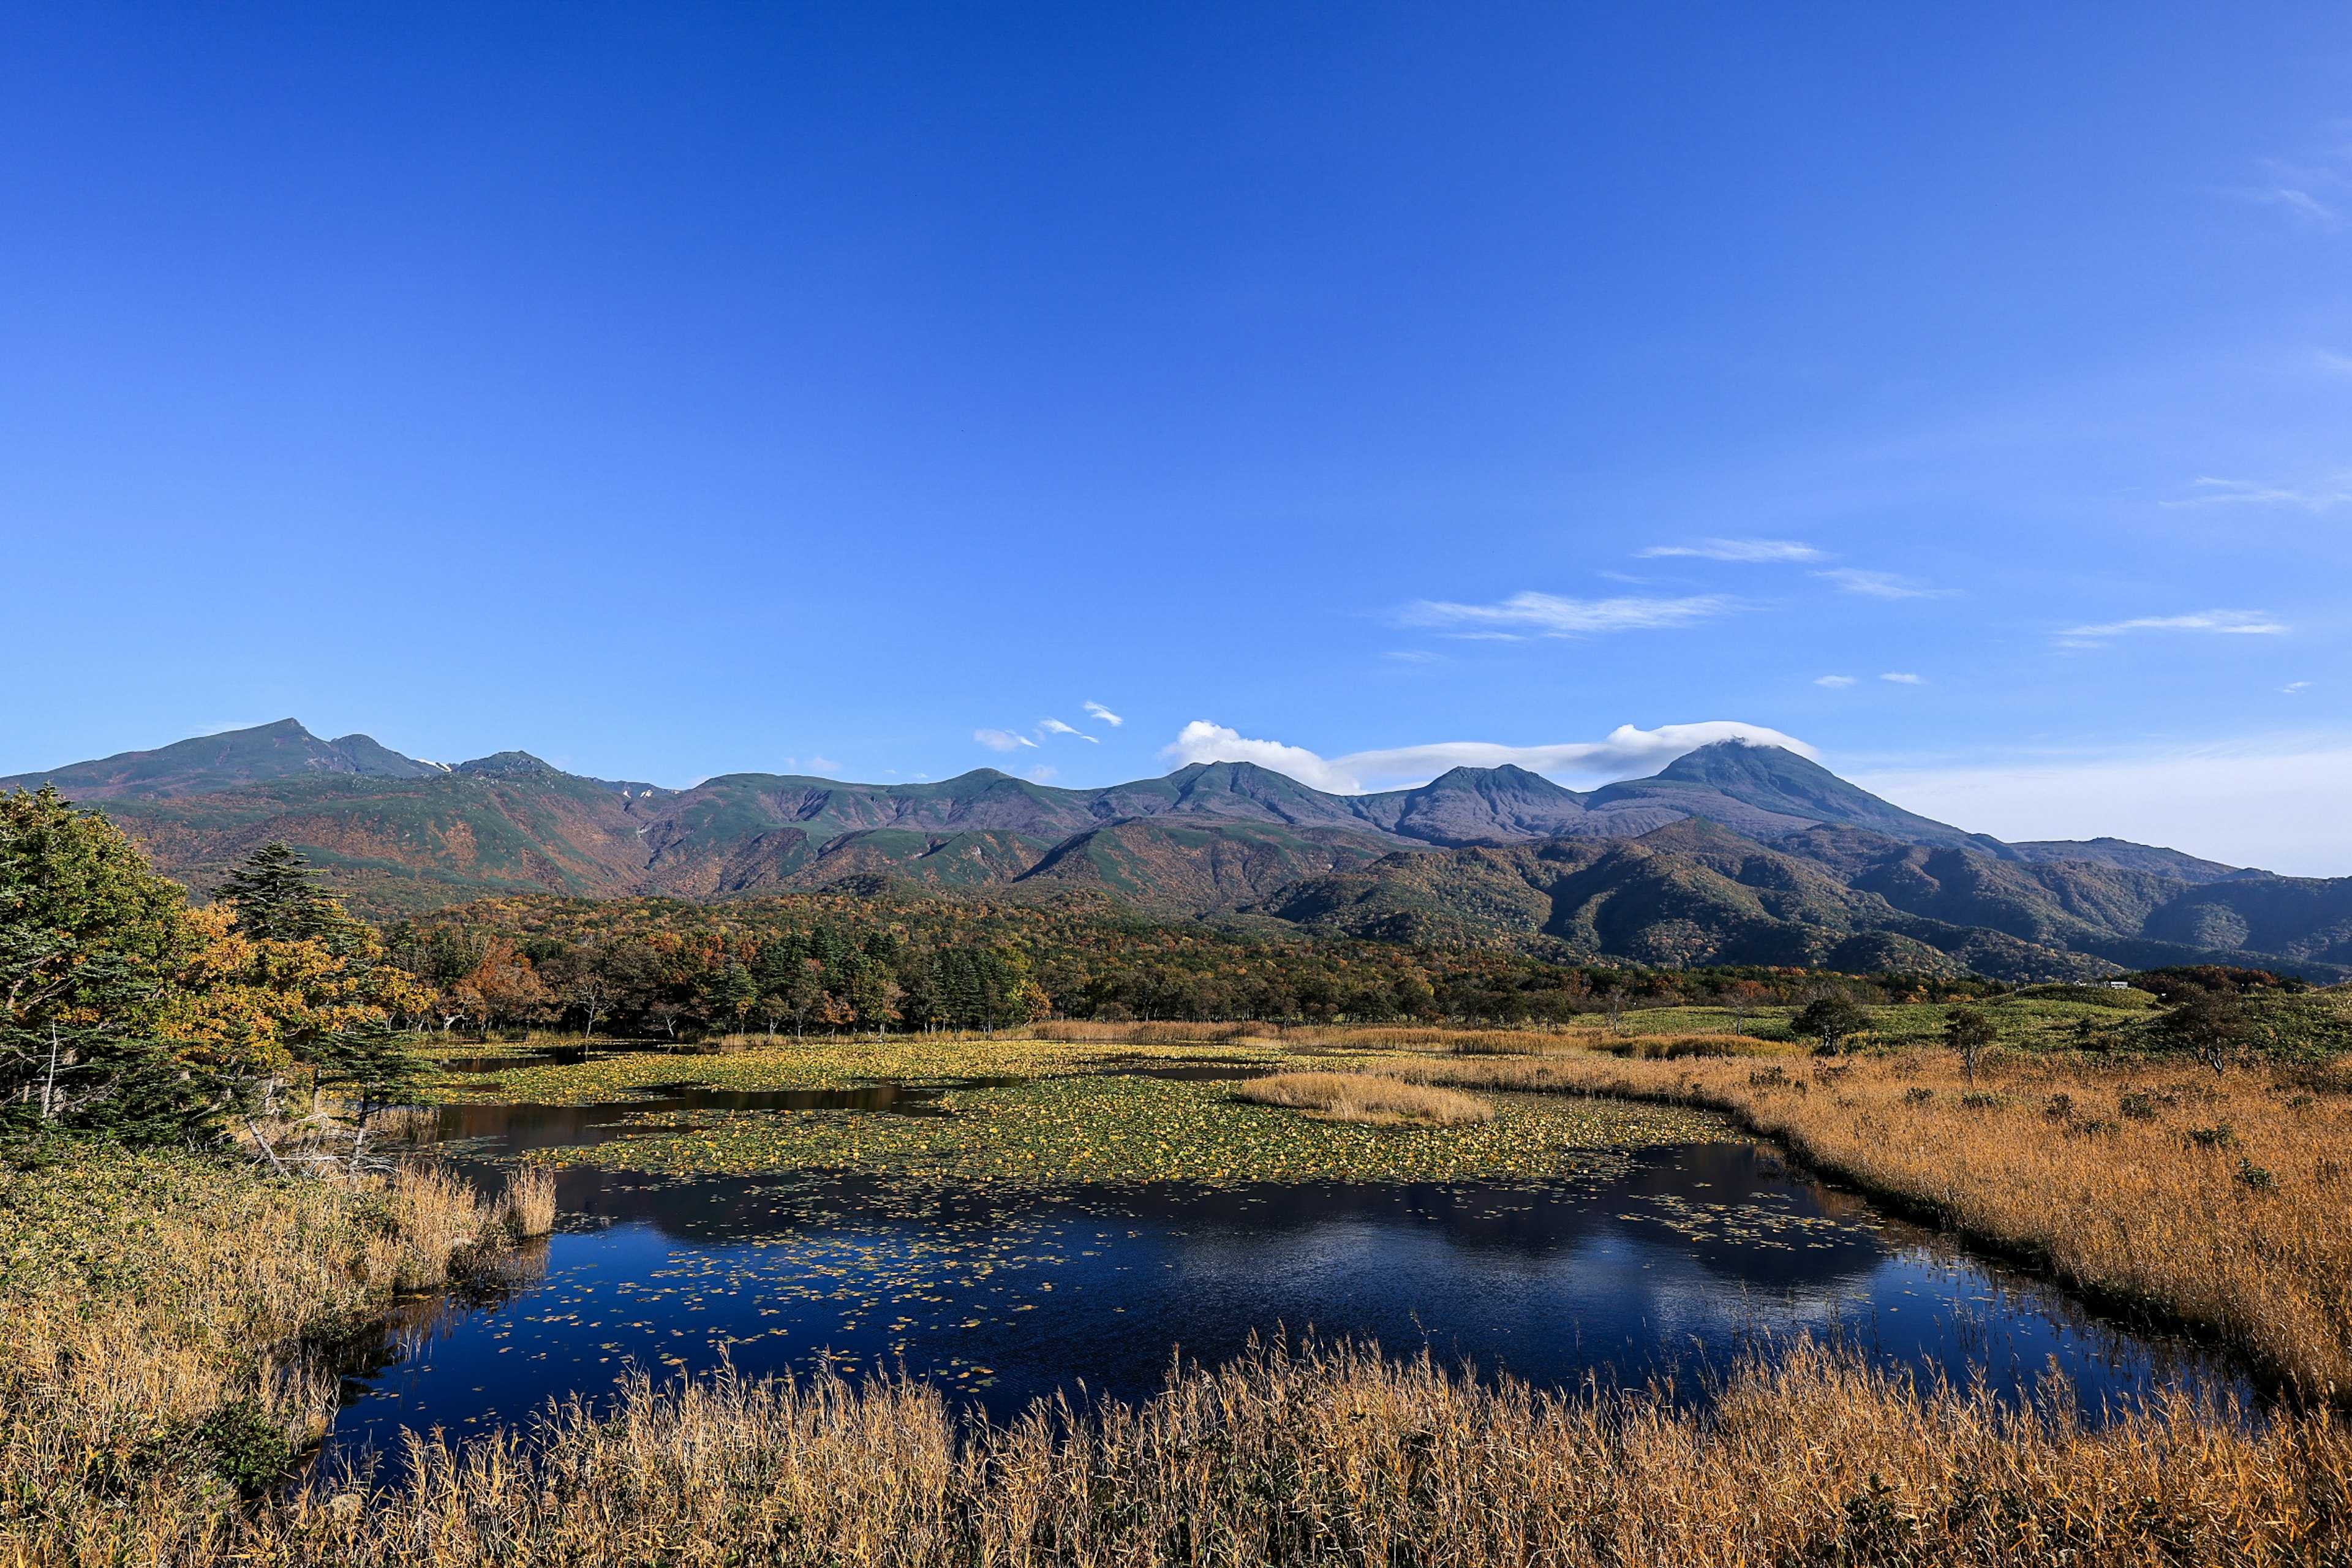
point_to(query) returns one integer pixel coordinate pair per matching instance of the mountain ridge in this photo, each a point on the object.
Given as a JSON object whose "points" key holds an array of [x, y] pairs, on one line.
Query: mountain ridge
{"points": [[1730, 848]]}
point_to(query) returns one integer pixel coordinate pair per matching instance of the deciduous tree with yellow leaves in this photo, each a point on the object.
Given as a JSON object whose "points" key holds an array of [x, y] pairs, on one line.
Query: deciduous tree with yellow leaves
{"points": [[124, 1011]]}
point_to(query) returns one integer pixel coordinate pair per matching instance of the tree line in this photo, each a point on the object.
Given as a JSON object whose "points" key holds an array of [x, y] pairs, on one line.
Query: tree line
{"points": [[124, 1010], [884, 960]]}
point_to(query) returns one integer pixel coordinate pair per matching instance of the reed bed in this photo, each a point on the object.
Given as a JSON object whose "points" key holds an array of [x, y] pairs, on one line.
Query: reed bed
{"points": [[1368, 1098], [528, 1205], [167, 1318], [2222, 1202], [1320, 1455], [1082, 1031]]}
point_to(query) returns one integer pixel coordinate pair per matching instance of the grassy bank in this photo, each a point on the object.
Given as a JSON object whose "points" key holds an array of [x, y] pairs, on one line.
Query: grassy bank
{"points": [[2223, 1202], [170, 1323], [1333, 1456]]}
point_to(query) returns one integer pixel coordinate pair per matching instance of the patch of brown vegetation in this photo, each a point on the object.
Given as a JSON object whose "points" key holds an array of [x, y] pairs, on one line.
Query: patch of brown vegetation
{"points": [[1324, 1456], [1370, 1097], [2224, 1203]]}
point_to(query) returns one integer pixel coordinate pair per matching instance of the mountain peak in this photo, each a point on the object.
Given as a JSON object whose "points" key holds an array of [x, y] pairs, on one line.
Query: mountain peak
{"points": [[508, 764], [205, 764]]}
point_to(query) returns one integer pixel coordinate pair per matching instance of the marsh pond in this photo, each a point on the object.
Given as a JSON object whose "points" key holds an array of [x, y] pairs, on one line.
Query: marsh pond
{"points": [[1024, 1233]]}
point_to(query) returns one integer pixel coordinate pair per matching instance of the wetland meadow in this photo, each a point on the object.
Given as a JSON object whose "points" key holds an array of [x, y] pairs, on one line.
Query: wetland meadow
{"points": [[1243, 1298]]}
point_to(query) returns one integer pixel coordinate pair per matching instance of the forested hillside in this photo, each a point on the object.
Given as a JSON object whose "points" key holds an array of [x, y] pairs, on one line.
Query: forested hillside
{"points": [[1731, 854]]}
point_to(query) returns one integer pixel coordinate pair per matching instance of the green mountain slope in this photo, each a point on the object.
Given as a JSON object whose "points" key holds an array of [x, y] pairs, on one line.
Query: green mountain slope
{"points": [[1694, 892], [210, 763], [1733, 854]]}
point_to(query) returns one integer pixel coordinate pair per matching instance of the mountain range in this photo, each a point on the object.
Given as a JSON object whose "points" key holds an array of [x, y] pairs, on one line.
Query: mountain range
{"points": [[1732, 854]]}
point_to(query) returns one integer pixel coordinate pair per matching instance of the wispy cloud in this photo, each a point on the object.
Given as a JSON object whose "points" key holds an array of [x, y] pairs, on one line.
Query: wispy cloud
{"points": [[1833, 681], [2315, 191], [2249, 492], [1625, 753], [2295, 687], [1549, 615], [1738, 549], [1056, 727], [2229, 621], [1002, 739], [1881, 585], [1097, 710], [1902, 677]]}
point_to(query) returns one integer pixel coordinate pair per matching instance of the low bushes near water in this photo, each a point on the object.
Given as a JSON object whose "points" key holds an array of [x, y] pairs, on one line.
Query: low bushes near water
{"points": [[171, 1319], [1320, 1455], [2118, 1181], [1368, 1098]]}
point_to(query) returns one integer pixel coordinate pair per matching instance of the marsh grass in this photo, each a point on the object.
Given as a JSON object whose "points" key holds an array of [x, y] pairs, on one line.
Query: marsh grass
{"points": [[1079, 1031], [528, 1205], [174, 1320], [1315, 1455], [1367, 1098], [2119, 1180]]}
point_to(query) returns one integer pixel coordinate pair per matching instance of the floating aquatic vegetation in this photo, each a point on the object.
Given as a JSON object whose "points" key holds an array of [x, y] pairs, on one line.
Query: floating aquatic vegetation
{"points": [[1126, 1129]]}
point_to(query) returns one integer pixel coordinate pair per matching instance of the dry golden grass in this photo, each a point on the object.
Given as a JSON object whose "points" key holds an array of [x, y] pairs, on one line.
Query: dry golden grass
{"points": [[1315, 1457], [528, 1205], [213, 1304], [1081, 1031], [2225, 1203], [1367, 1096]]}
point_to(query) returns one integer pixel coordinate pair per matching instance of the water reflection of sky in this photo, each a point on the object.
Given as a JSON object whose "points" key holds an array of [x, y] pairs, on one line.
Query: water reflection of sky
{"points": [[1656, 1261]]}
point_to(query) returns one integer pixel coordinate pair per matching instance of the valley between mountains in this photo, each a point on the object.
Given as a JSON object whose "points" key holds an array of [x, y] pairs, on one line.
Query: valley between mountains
{"points": [[1733, 854]]}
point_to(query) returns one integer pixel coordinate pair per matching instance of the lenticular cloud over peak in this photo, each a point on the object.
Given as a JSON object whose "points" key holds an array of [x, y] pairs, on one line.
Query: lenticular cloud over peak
{"points": [[1626, 752]]}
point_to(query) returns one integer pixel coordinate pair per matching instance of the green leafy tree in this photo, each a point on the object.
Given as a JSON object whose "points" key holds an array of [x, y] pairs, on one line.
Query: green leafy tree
{"points": [[91, 942], [1831, 1018], [734, 993], [367, 1071], [1969, 1030], [2213, 1024]]}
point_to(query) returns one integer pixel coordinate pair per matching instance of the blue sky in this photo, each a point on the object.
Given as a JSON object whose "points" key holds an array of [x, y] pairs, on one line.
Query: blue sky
{"points": [[1965, 394]]}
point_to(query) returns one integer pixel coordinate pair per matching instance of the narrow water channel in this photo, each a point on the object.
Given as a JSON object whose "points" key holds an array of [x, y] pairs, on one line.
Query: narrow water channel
{"points": [[1662, 1262]]}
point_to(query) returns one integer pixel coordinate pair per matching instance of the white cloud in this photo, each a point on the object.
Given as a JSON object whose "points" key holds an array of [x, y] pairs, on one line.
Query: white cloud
{"points": [[1098, 710], [1549, 615], [1901, 679], [2295, 687], [1881, 585], [1041, 774], [1738, 549], [1835, 680], [1056, 727], [2274, 802], [817, 766], [2303, 204], [2230, 621], [2249, 492], [1002, 739], [2313, 189], [1627, 752]]}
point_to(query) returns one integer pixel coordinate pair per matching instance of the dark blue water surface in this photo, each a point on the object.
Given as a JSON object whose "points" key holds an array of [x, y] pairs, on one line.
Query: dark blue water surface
{"points": [[1654, 1262]]}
